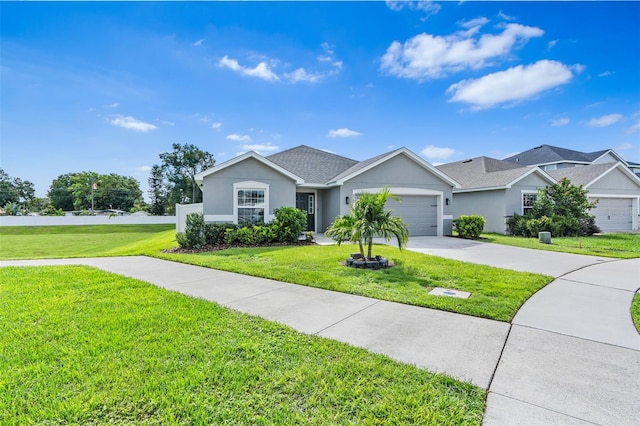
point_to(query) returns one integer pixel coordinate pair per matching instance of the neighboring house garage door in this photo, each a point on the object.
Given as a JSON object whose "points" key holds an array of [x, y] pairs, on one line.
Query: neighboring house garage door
{"points": [[614, 214], [419, 212]]}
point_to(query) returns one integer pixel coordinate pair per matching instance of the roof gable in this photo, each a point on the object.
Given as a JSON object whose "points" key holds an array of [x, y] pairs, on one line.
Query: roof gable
{"points": [[251, 154], [482, 173], [588, 175], [369, 164], [548, 154]]}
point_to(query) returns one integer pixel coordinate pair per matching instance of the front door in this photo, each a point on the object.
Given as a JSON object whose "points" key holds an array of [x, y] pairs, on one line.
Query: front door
{"points": [[307, 203]]}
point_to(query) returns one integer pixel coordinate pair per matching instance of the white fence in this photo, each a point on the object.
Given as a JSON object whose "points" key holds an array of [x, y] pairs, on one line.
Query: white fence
{"points": [[182, 210], [83, 220]]}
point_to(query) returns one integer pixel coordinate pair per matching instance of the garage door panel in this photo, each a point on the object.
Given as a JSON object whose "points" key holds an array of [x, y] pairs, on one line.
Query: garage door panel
{"points": [[419, 212], [614, 214]]}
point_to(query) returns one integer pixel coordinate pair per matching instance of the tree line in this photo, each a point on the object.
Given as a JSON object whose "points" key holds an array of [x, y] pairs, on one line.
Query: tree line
{"points": [[171, 181]]}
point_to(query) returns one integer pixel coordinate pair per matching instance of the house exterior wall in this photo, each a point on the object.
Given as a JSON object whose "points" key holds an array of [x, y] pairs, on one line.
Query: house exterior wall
{"points": [[488, 204], [513, 196], [330, 207], [607, 158], [401, 172], [615, 183], [218, 196]]}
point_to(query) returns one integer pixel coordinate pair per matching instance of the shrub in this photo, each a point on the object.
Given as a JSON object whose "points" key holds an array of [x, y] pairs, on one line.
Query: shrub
{"points": [[588, 226], [264, 234], [289, 224], [469, 227], [194, 230], [181, 238], [518, 225], [541, 224], [214, 232]]}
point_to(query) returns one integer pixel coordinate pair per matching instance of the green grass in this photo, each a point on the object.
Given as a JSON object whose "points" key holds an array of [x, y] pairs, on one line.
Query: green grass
{"points": [[496, 293], [635, 311], [38, 242], [621, 246], [82, 346]]}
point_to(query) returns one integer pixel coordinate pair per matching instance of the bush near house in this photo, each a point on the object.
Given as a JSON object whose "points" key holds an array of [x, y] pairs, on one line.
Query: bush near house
{"points": [[469, 226], [286, 228], [562, 209]]}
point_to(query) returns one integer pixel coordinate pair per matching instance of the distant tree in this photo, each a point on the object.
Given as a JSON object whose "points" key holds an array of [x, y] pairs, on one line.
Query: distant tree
{"points": [[74, 191], [36, 204], [15, 190], [157, 191], [180, 167]]}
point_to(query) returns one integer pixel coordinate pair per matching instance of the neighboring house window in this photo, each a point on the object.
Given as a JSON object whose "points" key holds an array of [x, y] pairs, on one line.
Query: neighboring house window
{"points": [[550, 167], [251, 205], [527, 202]]}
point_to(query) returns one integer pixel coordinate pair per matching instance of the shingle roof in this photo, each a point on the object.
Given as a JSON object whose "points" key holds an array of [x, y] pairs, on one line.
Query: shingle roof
{"points": [[312, 165], [484, 172], [358, 166], [581, 175], [545, 154]]}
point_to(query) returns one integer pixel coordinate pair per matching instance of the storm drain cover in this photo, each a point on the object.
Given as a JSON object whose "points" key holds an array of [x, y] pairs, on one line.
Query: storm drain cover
{"points": [[439, 291]]}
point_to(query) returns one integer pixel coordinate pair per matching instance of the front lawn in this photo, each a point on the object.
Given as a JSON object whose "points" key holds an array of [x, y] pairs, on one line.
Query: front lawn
{"points": [[41, 242], [496, 293], [635, 311], [621, 246], [82, 346]]}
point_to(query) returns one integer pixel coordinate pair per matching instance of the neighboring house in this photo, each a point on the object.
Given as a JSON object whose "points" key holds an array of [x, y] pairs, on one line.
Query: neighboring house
{"points": [[494, 189], [248, 188], [549, 158], [614, 187]]}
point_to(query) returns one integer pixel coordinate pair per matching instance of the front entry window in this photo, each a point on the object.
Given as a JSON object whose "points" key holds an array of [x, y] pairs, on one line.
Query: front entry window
{"points": [[528, 200], [251, 206]]}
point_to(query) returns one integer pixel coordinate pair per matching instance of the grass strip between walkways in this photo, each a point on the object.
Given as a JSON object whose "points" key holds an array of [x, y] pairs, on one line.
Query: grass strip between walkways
{"points": [[495, 293], [82, 346], [635, 311], [619, 246]]}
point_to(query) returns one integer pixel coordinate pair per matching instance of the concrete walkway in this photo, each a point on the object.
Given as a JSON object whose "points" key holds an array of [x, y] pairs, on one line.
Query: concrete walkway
{"points": [[571, 355]]}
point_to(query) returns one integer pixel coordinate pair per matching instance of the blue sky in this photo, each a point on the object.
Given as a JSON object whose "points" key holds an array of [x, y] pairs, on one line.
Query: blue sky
{"points": [[106, 87]]}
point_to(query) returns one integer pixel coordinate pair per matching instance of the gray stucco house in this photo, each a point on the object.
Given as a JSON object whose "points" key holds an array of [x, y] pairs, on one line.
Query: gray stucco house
{"points": [[494, 189], [614, 187], [250, 187]]}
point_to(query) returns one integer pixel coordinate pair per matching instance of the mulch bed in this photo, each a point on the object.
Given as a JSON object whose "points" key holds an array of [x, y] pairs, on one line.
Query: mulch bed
{"points": [[212, 247]]}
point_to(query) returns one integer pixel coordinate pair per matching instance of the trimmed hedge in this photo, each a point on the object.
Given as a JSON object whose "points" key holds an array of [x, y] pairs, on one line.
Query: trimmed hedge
{"points": [[469, 226]]}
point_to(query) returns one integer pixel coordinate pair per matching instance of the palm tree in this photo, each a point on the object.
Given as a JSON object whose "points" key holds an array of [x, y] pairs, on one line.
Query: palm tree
{"points": [[369, 219]]}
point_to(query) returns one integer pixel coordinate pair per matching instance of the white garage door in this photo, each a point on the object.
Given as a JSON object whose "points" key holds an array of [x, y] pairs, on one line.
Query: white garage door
{"points": [[419, 212], [614, 214]]}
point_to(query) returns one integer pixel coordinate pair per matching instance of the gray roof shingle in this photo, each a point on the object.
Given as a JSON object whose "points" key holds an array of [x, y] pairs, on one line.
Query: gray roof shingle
{"points": [[483, 172], [312, 165], [581, 175], [545, 154]]}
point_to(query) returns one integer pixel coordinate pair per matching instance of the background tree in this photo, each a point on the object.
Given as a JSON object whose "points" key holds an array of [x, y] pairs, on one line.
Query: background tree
{"points": [[157, 191], [15, 190], [73, 191], [180, 167]]}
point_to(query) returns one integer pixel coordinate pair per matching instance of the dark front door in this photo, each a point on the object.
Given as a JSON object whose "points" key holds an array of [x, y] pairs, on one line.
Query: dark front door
{"points": [[307, 203]]}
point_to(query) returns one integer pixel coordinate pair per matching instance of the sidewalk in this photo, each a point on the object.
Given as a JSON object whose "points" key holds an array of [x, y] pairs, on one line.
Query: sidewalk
{"points": [[571, 355]]}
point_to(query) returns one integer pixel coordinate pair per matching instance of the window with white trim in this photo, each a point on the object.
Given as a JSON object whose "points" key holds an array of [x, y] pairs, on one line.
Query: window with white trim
{"points": [[251, 205], [528, 199]]}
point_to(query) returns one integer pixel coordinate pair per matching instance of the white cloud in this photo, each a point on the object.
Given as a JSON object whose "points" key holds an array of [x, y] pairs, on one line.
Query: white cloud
{"points": [[605, 120], [515, 84], [434, 152], [302, 75], [199, 42], [129, 122], [421, 5], [166, 123], [606, 74], [559, 122], [143, 169], [427, 56], [113, 105], [261, 70], [343, 133], [551, 44], [506, 17], [216, 125], [260, 148], [239, 138], [625, 146]]}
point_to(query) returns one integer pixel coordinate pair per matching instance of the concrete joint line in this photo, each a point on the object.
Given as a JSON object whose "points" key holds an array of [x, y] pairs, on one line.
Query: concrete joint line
{"points": [[504, 346], [258, 294], [598, 262], [347, 317], [575, 337], [544, 408], [596, 285]]}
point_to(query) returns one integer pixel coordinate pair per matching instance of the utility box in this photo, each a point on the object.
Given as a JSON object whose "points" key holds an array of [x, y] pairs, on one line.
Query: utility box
{"points": [[544, 237]]}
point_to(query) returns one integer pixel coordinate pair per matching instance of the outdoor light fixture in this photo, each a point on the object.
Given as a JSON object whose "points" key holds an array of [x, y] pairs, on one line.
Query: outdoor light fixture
{"points": [[446, 201], [347, 200]]}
